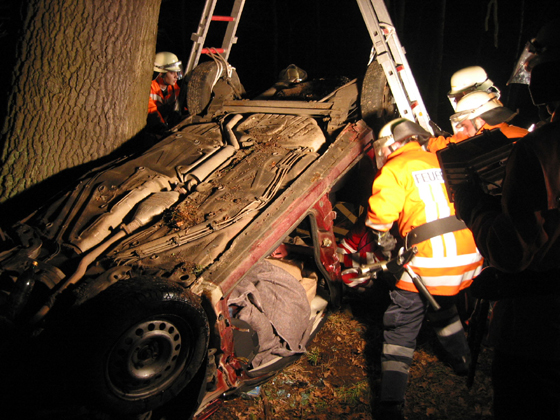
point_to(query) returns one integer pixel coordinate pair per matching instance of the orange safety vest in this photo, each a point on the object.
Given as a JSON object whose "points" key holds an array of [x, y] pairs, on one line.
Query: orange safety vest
{"points": [[161, 103], [510, 131], [410, 189]]}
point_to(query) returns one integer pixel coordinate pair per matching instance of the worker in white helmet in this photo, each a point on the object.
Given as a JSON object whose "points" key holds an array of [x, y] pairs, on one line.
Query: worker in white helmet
{"points": [[470, 79], [477, 111], [163, 107], [519, 235], [409, 190]]}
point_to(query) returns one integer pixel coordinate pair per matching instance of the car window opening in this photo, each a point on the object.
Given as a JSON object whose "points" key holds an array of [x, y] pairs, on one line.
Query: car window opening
{"points": [[281, 301]]}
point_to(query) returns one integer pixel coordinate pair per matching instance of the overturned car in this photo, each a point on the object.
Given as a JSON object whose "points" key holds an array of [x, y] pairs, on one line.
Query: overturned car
{"points": [[197, 269]]}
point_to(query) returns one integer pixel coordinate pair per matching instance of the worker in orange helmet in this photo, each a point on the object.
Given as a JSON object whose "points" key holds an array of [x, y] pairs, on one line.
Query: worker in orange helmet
{"points": [[163, 107], [409, 189]]}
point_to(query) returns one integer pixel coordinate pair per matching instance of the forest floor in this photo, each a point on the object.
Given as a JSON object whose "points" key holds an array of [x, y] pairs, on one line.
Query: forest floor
{"points": [[339, 375]]}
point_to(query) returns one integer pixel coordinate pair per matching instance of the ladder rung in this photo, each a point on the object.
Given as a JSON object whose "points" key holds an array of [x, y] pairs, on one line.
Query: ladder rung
{"points": [[212, 50], [222, 18], [229, 38]]}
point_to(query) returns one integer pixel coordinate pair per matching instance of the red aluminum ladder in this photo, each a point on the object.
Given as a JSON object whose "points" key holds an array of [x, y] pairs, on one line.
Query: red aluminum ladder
{"points": [[390, 54], [199, 37], [387, 50]]}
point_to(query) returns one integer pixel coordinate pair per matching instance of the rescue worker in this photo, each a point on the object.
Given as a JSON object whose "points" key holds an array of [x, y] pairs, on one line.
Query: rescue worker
{"points": [[409, 189], [288, 78], [467, 80], [519, 234], [477, 111], [163, 107], [361, 247]]}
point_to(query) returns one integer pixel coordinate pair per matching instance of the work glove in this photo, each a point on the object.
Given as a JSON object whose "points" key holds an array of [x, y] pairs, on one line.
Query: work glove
{"points": [[438, 131], [489, 285], [158, 128], [467, 197], [174, 119], [386, 243], [352, 281]]}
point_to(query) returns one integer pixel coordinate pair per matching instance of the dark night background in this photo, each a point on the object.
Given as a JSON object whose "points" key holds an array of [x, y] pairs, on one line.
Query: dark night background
{"points": [[330, 38]]}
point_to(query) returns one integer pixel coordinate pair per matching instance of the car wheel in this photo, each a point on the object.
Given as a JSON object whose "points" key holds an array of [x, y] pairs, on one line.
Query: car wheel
{"points": [[137, 344], [377, 103], [201, 85], [199, 90]]}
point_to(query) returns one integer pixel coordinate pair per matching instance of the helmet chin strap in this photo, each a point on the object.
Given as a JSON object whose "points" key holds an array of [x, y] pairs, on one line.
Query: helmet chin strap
{"points": [[554, 110], [395, 146], [398, 144], [477, 126], [162, 84]]}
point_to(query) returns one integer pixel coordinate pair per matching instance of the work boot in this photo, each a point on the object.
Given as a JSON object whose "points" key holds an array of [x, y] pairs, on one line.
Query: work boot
{"points": [[460, 365], [391, 410]]}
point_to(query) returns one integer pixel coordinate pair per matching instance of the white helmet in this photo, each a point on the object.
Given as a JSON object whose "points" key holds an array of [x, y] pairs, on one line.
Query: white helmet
{"points": [[400, 130], [166, 61], [468, 80], [480, 104]]}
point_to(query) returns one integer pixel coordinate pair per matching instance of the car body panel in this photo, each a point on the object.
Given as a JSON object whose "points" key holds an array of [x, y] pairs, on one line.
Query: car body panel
{"points": [[200, 208]]}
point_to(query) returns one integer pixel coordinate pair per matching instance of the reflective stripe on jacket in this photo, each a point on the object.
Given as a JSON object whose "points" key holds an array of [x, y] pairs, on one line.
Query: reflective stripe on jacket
{"points": [[409, 189], [160, 100], [510, 131]]}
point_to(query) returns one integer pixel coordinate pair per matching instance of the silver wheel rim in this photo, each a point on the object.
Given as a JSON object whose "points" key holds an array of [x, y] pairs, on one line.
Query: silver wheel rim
{"points": [[146, 359]]}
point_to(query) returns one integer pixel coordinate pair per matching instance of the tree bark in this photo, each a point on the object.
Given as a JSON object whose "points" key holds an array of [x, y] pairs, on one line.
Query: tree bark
{"points": [[80, 86]]}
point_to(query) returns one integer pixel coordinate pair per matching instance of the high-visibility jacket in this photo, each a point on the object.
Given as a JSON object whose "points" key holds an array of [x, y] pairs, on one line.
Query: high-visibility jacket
{"points": [[510, 131], [161, 103], [410, 189]]}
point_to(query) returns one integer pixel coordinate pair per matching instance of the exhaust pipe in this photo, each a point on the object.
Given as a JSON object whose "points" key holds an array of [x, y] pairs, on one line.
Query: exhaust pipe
{"points": [[148, 209]]}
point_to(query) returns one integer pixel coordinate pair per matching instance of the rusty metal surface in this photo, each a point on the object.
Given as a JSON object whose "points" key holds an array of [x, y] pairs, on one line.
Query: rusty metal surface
{"points": [[199, 209]]}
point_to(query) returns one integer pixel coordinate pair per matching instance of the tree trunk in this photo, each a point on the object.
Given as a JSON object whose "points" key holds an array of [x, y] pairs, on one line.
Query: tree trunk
{"points": [[80, 86]]}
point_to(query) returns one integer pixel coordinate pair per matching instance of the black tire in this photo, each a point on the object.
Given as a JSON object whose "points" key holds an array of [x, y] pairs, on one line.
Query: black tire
{"points": [[201, 85], [376, 102], [199, 90], [138, 344]]}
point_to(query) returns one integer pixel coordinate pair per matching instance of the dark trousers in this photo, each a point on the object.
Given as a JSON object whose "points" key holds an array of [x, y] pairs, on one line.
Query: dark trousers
{"points": [[402, 322], [525, 388]]}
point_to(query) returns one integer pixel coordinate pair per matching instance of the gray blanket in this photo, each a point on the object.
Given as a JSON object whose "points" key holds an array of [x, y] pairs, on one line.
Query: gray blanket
{"points": [[274, 303]]}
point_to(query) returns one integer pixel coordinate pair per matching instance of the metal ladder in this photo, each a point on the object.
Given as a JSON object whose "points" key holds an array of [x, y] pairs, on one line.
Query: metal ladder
{"points": [[199, 37], [390, 54]]}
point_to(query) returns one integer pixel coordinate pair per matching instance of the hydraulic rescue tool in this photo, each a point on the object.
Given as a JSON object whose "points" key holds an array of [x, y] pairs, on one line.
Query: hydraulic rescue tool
{"points": [[396, 266]]}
